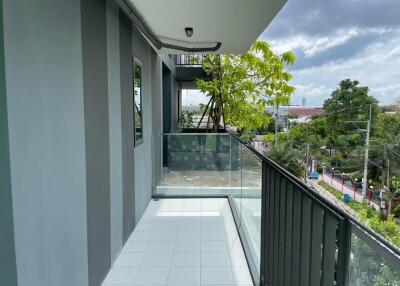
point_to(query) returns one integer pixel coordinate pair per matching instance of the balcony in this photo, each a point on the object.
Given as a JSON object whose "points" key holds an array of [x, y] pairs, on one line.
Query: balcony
{"points": [[283, 231], [183, 242], [189, 67], [291, 235]]}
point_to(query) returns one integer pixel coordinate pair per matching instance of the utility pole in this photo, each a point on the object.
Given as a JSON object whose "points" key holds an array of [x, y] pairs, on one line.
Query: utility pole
{"points": [[387, 169], [385, 157], [386, 165], [307, 159], [276, 125], [307, 154], [385, 172], [365, 180]]}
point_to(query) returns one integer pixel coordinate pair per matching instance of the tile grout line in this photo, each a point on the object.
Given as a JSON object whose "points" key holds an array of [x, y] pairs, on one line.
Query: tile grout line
{"points": [[173, 247], [201, 231], [177, 228]]}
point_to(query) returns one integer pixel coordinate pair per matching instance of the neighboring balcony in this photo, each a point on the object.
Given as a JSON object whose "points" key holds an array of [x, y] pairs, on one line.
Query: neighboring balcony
{"points": [[290, 234], [189, 67]]}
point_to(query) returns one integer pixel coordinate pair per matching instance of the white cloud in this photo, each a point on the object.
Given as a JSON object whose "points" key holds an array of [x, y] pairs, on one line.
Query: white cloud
{"points": [[312, 46], [377, 66], [388, 93], [339, 39], [313, 93]]}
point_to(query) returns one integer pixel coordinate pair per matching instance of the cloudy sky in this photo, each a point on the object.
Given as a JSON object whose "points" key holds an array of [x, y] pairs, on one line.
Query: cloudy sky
{"points": [[338, 39]]}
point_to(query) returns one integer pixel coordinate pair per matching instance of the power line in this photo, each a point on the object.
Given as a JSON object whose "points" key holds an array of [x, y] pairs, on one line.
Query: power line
{"points": [[393, 150]]}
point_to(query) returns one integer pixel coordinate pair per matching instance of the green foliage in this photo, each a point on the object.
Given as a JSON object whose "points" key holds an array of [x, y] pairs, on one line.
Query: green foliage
{"points": [[269, 138], [186, 118], [387, 228], [369, 268], [339, 143], [349, 102], [336, 142], [333, 191], [397, 211], [285, 156], [270, 128], [387, 128], [243, 85], [247, 135]]}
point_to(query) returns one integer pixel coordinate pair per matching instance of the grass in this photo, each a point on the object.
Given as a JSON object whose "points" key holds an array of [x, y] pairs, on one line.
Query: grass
{"points": [[387, 228]]}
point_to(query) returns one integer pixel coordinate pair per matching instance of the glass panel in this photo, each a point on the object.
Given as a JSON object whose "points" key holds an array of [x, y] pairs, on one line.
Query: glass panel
{"points": [[236, 175], [368, 268], [196, 164], [137, 100], [250, 216], [216, 164]]}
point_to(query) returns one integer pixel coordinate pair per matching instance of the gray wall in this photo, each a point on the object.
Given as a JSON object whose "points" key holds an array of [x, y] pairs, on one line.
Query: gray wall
{"points": [[114, 107], [175, 103], [71, 192], [128, 171], [95, 88], [170, 63], [156, 102], [44, 77], [143, 153], [8, 269]]}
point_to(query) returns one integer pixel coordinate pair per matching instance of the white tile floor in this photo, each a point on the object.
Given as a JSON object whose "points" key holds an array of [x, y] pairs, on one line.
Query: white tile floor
{"points": [[183, 242]]}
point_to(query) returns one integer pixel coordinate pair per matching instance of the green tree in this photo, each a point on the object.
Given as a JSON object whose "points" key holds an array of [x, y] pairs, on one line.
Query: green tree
{"points": [[284, 155], [331, 137], [242, 86], [349, 102], [387, 128], [186, 118]]}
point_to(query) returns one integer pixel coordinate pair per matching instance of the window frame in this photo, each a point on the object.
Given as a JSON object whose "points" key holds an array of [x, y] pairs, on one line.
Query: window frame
{"points": [[137, 142]]}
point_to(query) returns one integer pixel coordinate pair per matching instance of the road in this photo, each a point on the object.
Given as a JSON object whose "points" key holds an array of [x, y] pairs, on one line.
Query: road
{"points": [[327, 195]]}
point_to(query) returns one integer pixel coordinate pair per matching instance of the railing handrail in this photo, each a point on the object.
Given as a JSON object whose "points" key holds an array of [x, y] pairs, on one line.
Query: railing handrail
{"points": [[325, 203], [292, 209], [194, 134], [306, 189], [184, 60]]}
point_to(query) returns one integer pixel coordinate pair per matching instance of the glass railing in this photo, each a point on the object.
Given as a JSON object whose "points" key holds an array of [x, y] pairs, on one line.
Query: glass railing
{"points": [[249, 203], [291, 235], [204, 164], [189, 60], [370, 264], [199, 164]]}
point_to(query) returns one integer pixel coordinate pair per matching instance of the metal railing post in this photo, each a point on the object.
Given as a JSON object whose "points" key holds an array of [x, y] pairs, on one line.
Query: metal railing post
{"points": [[264, 226], [344, 250]]}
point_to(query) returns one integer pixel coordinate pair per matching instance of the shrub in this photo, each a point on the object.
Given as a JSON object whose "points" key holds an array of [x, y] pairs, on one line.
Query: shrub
{"points": [[397, 211]]}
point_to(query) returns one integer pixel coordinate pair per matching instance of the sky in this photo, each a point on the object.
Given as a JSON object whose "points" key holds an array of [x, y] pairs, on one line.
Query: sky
{"points": [[339, 39]]}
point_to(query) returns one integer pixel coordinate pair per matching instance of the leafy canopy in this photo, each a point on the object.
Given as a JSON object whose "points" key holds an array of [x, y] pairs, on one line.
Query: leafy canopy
{"points": [[286, 156], [349, 102], [243, 85]]}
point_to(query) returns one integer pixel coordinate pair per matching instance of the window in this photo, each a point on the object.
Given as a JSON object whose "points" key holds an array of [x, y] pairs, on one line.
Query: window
{"points": [[137, 102]]}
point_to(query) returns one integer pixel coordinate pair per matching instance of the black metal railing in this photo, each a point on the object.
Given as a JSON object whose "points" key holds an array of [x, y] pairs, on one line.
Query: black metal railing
{"points": [[306, 240], [189, 60]]}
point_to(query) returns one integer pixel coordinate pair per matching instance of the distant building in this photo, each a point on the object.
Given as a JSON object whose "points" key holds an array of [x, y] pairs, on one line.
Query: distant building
{"points": [[294, 114], [305, 111]]}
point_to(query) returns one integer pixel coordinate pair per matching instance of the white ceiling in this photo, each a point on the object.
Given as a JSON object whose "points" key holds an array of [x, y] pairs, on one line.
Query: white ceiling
{"points": [[234, 23]]}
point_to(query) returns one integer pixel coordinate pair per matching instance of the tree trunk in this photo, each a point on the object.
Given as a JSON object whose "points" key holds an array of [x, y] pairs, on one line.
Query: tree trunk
{"points": [[215, 105]]}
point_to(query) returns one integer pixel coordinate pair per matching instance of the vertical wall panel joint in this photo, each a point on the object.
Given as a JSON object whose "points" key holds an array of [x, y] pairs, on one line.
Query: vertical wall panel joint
{"points": [[8, 269]]}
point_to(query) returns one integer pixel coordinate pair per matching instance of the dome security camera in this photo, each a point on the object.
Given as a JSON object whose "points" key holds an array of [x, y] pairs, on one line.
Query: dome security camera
{"points": [[189, 31]]}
